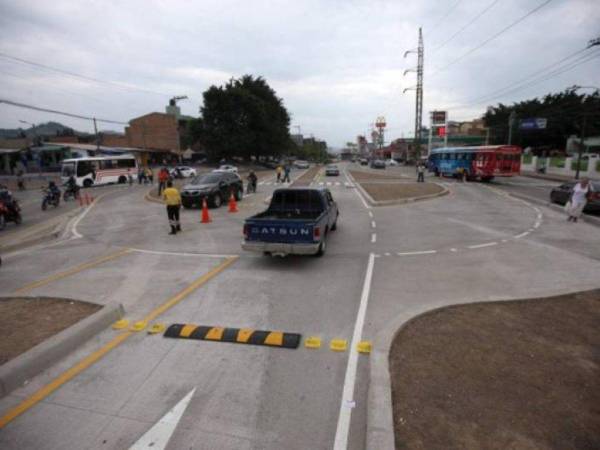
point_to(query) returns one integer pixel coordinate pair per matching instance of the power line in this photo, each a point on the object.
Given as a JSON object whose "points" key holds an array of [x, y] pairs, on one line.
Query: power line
{"points": [[452, 8], [80, 76], [53, 111], [491, 38], [464, 27], [536, 80], [531, 76]]}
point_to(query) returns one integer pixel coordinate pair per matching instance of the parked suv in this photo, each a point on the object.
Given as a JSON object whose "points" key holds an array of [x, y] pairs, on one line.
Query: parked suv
{"points": [[215, 187]]}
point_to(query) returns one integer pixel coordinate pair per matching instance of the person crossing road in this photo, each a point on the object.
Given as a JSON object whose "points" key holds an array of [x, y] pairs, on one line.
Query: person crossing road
{"points": [[173, 200]]}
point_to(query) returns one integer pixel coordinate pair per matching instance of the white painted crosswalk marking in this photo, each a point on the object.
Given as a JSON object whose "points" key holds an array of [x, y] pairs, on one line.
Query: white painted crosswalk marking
{"points": [[321, 183], [329, 183], [337, 183]]}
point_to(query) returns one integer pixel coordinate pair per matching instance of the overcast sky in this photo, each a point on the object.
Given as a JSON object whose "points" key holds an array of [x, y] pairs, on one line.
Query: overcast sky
{"points": [[338, 65]]}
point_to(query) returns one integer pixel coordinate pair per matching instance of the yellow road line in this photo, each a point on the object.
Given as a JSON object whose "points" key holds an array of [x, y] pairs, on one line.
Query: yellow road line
{"points": [[89, 360], [71, 271]]}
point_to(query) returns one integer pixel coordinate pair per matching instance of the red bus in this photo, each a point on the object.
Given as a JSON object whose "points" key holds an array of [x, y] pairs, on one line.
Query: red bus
{"points": [[484, 163]]}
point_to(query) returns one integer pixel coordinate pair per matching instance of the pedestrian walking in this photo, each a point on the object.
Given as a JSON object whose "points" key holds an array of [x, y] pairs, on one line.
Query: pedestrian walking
{"points": [[278, 170], [140, 175], [173, 200], [581, 194], [150, 175], [286, 174], [420, 173], [129, 177], [163, 177]]}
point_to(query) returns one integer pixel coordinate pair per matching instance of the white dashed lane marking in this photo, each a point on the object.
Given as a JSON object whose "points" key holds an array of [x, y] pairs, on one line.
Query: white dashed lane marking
{"points": [[373, 224], [487, 244], [373, 238]]}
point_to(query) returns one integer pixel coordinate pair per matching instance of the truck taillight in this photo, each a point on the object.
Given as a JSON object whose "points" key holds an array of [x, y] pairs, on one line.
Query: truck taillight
{"points": [[316, 233], [245, 231]]}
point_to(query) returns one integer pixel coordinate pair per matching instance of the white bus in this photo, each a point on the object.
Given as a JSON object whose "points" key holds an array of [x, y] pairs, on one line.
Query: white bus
{"points": [[97, 170]]}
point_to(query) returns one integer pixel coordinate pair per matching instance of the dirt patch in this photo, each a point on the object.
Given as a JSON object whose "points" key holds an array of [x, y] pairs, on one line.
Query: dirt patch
{"points": [[397, 191], [26, 322], [511, 375], [363, 176], [305, 179]]}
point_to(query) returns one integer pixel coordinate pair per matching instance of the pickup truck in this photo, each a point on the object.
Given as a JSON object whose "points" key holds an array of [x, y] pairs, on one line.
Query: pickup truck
{"points": [[296, 222]]}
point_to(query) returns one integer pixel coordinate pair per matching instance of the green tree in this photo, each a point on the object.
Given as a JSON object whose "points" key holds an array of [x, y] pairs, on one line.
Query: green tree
{"points": [[565, 112], [243, 118]]}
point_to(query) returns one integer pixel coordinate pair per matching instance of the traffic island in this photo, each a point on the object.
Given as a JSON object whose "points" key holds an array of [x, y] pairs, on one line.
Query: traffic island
{"points": [[517, 374], [381, 190], [35, 332]]}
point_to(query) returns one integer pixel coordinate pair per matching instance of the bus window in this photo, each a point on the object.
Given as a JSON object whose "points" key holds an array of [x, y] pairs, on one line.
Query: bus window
{"points": [[106, 164], [84, 167], [126, 163], [452, 156], [68, 169], [459, 156]]}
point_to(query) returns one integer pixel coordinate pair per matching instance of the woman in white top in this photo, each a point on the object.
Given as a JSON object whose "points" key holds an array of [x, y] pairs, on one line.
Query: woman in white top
{"points": [[579, 198]]}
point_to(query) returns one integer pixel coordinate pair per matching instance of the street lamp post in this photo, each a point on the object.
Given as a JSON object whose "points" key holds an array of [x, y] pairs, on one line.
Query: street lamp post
{"points": [[583, 123]]}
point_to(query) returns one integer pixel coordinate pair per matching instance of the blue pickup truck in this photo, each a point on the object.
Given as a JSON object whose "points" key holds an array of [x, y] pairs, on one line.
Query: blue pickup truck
{"points": [[296, 222]]}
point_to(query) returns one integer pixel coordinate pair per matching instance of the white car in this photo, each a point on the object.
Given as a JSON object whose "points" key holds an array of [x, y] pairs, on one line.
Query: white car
{"points": [[391, 162], [227, 168], [182, 172], [301, 164]]}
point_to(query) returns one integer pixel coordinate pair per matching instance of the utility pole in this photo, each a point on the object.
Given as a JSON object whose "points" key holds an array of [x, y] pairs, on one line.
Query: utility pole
{"points": [[511, 121], [96, 132], [581, 145], [419, 88]]}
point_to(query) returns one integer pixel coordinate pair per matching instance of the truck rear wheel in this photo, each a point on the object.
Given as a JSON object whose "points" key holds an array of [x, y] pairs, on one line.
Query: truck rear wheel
{"points": [[322, 247]]}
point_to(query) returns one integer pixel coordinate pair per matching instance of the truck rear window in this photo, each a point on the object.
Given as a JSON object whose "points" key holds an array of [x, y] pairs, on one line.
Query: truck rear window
{"points": [[303, 200]]}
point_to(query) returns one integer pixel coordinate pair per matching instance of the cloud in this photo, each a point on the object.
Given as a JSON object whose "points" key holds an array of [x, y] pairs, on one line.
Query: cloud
{"points": [[336, 64]]}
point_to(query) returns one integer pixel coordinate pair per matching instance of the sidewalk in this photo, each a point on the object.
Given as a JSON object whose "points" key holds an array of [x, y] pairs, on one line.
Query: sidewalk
{"points": [[549, 176]]}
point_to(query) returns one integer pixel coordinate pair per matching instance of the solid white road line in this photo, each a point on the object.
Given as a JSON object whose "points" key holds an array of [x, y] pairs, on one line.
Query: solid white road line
{"points": [[157, 437], [373, 238], [487, 244], [424, 252], [347, 403], [365, 204]]}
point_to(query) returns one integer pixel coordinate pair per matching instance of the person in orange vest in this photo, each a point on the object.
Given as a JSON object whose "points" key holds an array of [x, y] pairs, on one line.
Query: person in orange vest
{"points": [[173, 200], [163, 177]]}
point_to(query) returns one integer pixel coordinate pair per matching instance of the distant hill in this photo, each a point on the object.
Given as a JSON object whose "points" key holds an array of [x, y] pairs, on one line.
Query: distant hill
{"points": [[41, 130]]}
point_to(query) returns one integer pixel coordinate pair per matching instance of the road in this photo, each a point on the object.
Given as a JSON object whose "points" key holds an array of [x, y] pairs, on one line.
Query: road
{"points": [[475, 244]]}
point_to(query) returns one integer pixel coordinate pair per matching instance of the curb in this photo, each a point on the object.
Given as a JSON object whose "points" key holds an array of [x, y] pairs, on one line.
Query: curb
{"points": [[401, 201], [584, 217], [148, 197], [550, 177], [17, 371]]}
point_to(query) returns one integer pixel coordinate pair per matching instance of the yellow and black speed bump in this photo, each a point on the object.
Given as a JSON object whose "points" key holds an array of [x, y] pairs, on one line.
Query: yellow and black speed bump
{"points": [[234, 335]]}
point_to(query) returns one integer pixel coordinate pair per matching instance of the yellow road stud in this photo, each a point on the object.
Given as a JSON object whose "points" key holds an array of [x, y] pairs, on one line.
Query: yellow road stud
{"points": [[312, 342], [274, 338], [214, 334], [139, 326], [244, 334], [338, 345], [120, 324], [364, 347], [157, 328], [187, 330]]}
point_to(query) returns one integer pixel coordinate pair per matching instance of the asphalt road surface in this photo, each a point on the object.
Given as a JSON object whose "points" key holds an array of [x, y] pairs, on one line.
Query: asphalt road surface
{"points": [[475, 244]]}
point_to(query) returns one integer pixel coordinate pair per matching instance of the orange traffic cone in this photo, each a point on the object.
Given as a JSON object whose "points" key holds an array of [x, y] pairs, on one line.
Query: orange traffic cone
{"points": [[205, 215], [232, 204]]}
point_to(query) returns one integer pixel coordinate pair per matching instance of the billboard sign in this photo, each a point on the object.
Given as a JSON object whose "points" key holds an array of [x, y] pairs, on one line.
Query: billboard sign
{"points": [[535, 123], [438, 118]]}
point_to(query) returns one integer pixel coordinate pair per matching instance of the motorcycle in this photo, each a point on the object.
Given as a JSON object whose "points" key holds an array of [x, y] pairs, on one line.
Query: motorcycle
{"points": [[50, 198], [71, 192], [9, 212]]}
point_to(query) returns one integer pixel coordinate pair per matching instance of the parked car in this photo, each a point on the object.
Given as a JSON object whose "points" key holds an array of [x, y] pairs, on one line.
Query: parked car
{"points": [[332, 170], [299, 164], [562, 194], [377, 164], [227, 168], [182, 172], [297, 221], [364, 162], [391, 162], [215, 187]]}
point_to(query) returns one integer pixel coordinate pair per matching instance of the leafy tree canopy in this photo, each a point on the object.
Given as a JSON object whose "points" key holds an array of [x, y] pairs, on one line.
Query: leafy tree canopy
{"points": [[565, 112], [243, 118]]}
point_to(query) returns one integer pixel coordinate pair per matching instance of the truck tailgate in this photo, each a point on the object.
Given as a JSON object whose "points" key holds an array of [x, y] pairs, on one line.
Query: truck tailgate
{"points": [[284, 231]]}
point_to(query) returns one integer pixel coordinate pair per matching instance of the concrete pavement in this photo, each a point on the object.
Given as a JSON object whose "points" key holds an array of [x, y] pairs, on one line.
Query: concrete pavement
{"points": [[467, 246]]}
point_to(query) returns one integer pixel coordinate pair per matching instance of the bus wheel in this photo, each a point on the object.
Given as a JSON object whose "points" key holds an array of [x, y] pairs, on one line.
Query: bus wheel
{"points": [[122, 179], [87, 183], [487, 179]]}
